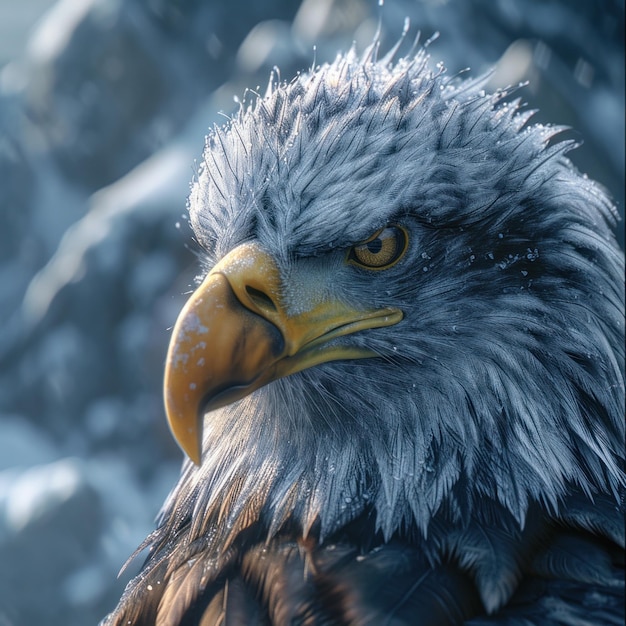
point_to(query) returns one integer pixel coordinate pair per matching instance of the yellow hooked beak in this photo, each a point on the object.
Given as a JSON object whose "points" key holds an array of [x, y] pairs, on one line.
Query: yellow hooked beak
{"points": [[235, 335]]}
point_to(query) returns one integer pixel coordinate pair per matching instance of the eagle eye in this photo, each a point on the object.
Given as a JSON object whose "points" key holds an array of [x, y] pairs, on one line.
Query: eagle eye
{"points": [[382, 250]]}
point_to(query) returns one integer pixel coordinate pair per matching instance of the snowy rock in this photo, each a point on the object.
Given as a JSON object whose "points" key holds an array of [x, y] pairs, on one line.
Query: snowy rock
{"points": [[39, 507], [15, 192], [65, 530], [120, 78], [22, 444]]}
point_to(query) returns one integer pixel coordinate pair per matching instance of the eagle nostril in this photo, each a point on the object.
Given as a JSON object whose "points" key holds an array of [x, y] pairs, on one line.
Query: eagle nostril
{"points": [[260, 299]]}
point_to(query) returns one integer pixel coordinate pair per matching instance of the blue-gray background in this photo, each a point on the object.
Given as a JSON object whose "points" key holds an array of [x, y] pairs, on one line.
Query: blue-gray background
{"points": [[104, 105]]}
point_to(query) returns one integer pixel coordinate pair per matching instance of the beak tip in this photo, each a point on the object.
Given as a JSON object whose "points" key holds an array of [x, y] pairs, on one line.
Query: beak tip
{"points": [[195, 456], [187, 433], [189, 440], [190, 443]]}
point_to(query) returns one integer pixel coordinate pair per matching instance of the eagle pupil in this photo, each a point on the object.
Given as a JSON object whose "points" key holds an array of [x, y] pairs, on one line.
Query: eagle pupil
{"points": [[375, 246]]}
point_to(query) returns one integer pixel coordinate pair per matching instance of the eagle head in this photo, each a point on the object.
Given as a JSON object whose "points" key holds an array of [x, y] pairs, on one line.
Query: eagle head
{"points": [[412, 305]]}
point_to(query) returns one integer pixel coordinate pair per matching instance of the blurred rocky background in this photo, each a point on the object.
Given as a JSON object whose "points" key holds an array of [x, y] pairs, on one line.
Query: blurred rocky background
{"points": [[104, 105]]}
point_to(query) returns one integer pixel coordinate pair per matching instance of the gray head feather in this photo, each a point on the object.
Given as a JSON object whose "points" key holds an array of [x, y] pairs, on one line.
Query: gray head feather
{"points": [[503, 383]]}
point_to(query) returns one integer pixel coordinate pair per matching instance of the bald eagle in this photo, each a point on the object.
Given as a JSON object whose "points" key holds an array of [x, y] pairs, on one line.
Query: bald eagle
{"points": [[400, 381]]}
